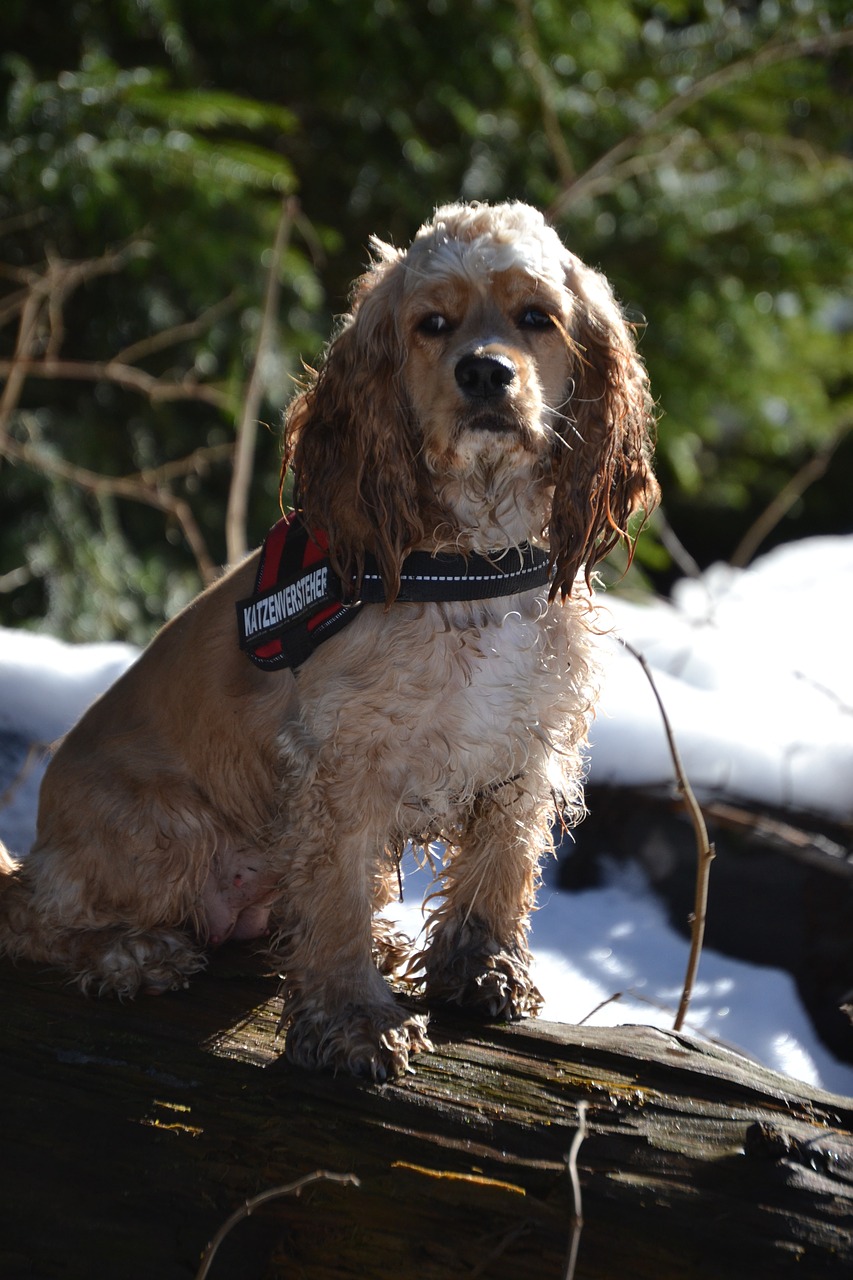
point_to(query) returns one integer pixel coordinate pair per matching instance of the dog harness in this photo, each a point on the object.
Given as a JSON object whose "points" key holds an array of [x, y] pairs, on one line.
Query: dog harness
{"points": [[299, 600]]}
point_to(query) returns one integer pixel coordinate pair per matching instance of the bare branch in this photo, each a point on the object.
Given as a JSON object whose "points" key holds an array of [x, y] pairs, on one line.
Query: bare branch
{"points": [[39, 306], [48, 292], [21, 275], [675, 546], [193, 464], [12, 304], [15, 578], [814, 848], [35, 751], [125, 375], [541, 77], [14, 369], [178, 333], [137, 488], [704, 849], [67, 275], [577, 1205], [811, 471], [721, 78], [669, 149], [21, 221], [245, 1210], [247, 431]]}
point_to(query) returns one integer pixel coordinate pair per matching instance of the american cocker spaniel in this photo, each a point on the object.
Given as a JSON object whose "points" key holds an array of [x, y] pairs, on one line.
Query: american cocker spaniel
{"points": [[420, 668]]}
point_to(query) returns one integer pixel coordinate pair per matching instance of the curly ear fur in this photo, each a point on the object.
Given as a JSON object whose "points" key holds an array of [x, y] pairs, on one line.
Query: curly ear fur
{"points": [[349, 437], [602, 465]]}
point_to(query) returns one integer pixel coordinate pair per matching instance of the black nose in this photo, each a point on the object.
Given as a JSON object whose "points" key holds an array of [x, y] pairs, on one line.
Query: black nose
{"points": [[482, 377]]}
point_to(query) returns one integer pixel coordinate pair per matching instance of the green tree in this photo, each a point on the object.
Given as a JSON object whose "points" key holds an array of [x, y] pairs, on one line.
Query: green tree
{"points": [[698, 153]]}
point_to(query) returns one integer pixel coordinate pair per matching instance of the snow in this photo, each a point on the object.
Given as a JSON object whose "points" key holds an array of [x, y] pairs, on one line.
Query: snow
{"points": [[45, 686], [753, 668]]}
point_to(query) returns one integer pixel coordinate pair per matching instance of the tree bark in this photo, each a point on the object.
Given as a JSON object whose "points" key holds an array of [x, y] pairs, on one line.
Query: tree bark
{"points": [[130, 1132]]}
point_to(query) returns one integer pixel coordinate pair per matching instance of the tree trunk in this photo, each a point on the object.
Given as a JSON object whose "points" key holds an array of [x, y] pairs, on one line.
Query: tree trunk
{"points": [[130, 1132]]}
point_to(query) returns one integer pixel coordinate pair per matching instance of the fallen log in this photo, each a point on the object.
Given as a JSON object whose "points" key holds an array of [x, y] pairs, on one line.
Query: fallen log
{"points": [[130, 1132]]}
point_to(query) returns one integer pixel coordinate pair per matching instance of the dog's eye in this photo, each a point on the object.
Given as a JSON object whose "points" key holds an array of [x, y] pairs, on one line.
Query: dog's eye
{"points": [[434, 324], [533, 318]]}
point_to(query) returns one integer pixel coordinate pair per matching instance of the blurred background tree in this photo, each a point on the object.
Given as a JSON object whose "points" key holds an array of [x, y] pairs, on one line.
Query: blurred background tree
{"points": [[188, 187]]}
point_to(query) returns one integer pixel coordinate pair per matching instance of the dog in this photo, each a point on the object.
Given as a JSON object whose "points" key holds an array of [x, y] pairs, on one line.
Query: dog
{"points": [[483, 404]]}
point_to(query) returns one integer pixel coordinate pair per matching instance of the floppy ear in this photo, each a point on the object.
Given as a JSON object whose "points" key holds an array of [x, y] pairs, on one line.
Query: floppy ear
{"points": [[350, 439], [602, 463]]}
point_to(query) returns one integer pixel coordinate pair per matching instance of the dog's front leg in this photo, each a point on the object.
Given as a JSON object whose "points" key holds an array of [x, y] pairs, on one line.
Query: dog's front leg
{"points": [[476, 954], [338, 1010]]}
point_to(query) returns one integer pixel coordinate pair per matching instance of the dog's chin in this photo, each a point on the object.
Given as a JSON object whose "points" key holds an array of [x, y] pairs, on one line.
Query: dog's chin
{"points": [[494, 443]]}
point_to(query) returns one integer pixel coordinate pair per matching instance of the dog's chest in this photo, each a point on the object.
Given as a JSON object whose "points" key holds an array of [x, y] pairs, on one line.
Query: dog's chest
{"points": [[454, 699], [500, 680]]}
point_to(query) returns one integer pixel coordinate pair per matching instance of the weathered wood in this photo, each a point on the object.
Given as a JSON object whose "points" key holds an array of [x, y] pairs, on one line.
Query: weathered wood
{"points": [[129, 1132]]}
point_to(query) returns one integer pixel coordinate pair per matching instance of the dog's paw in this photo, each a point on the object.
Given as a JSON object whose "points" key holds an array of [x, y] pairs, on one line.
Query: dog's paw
{"points": [[124, 962], [369, 1043], [471, 970]]}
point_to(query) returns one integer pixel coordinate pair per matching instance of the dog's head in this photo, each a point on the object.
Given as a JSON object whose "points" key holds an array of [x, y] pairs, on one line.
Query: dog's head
{"points": [[484, 375]]}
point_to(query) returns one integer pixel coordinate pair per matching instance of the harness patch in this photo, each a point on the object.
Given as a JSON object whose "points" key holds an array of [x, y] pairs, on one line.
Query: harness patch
{"points": [[297, 602], [299, 599], [282, 607]]}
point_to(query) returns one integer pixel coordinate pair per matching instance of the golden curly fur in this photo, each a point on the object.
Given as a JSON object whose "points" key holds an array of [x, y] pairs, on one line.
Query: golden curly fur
{"points": [[484, 391]]}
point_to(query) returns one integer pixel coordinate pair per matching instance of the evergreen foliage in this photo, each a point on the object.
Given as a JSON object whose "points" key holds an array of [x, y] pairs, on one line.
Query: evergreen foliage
{"points": [[699, 153]]}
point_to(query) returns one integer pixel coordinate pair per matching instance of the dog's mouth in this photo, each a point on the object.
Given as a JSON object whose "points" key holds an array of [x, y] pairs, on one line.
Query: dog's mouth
{"points": [[495, 424], [496, 431]]}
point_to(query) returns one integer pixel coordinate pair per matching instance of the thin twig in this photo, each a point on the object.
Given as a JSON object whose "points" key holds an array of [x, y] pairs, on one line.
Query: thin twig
{"points": [[15, 578], [125, 375], [38, 341], [642, 162], [602, 1004], [193, 464], [133, 487], [178, 333], [15, 374], [348, 1179], [577, 1204], [809, 473], [541, 75], [675, 547], [34, 751], [21, 221], [704, 850], [13, 302], [721, 78], [41, 329], [247, 430]]}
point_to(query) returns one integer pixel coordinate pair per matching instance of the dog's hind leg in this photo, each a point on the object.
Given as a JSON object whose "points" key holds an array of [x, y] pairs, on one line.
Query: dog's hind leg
{"points": [[52, 913]]}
